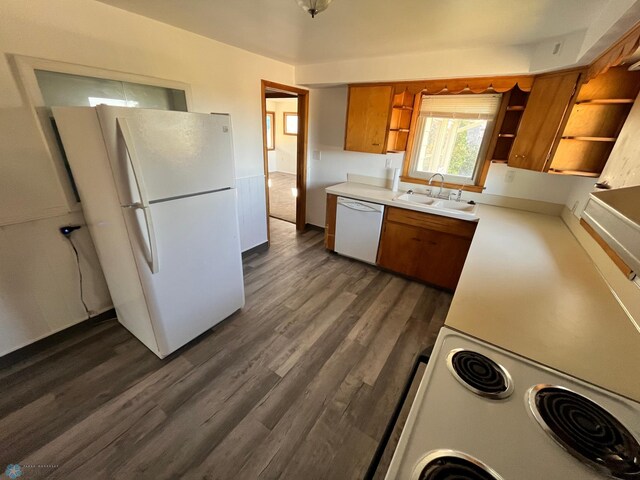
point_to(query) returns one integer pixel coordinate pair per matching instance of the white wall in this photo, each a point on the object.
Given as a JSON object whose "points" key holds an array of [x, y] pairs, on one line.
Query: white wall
{"points": [[38, 282], [283, 158], [329, 163], [417, 66]]}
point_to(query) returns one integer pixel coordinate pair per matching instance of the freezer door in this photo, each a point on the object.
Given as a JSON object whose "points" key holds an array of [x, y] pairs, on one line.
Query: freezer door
{"points": [[177, 153], [198, 278]]}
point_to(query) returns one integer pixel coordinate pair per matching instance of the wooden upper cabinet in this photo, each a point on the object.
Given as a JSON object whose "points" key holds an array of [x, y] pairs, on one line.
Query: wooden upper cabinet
{"points": [[368, 118], [594, 123], [542, 120]]}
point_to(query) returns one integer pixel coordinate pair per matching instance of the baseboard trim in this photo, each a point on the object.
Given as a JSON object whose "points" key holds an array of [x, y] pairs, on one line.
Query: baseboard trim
{"points": [[31, 349], [311, 226], [263, 247]]}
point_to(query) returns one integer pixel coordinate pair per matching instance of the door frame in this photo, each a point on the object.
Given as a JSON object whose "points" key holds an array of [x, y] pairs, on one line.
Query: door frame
{"points": [[301, 153]]}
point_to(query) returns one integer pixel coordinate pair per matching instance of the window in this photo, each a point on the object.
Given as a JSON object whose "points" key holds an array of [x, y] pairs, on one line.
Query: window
{"points": [[452, 134], [63, 89], [270, 122], [290, 123]]}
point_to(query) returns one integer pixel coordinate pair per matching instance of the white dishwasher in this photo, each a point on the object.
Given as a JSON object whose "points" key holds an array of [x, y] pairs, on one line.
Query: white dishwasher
{"points": [[358, 226]]}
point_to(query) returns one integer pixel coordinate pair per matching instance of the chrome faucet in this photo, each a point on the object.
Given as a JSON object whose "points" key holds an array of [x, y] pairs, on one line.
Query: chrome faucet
{"points": [[441, 183], [456, 195]]}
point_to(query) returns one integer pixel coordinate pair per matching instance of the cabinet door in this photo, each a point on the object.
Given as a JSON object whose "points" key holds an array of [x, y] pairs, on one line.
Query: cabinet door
{"points": [[543, 117], [330, 222], [427, 255], [368, 117]]}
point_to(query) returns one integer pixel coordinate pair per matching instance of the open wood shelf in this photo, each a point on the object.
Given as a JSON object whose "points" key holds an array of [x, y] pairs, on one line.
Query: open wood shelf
{"points": [[594, 123], [606, 101], [498, 160], [590, 139], [579, 173]]}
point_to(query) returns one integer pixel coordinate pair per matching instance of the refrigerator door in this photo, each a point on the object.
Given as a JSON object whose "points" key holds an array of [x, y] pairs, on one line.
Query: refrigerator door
{"points": [[198, 280], [177, 153]]}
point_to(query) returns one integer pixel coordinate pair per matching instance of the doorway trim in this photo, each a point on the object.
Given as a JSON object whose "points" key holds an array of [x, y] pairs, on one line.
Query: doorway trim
{"points": [[301, 153]]}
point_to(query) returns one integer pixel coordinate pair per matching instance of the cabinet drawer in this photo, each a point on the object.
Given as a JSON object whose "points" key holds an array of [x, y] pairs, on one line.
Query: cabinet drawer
{"points": [[439, 223]]}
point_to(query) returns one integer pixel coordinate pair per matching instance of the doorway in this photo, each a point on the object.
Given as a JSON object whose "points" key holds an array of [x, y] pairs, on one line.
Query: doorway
{"points": [[285, 129]]}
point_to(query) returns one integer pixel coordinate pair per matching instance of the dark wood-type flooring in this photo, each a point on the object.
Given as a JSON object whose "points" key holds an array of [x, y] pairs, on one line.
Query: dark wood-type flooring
{"points": [[298, 385], [282, 203]]}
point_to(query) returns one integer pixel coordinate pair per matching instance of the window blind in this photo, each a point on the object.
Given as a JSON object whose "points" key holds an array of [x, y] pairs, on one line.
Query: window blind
{"points": [[480, 107]]}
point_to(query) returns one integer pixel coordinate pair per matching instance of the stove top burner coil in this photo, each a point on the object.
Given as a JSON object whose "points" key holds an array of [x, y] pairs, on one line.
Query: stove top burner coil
{"points": [[452, 465], [586, 430], [480, 374]]}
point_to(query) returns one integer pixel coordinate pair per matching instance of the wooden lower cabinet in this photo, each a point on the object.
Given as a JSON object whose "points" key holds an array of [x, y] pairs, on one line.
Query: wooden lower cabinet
{"points": [[429, 248], [330, 222]]}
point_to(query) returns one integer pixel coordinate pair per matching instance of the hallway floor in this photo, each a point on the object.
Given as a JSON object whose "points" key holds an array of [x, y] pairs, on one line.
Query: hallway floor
{"points": [[282, 203]]}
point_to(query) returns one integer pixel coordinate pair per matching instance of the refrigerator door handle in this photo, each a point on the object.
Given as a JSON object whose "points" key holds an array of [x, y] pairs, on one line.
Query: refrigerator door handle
{"points": [[151, 234], [143, 205], [123, 126]]}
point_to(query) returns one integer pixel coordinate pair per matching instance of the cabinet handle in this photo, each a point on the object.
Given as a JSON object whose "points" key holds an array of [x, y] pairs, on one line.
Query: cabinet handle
{"points": [[603, 185], [375, 144]]}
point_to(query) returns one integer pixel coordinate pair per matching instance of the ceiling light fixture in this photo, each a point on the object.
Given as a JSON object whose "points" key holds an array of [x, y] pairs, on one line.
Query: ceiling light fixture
{"points": [[314, 7]]}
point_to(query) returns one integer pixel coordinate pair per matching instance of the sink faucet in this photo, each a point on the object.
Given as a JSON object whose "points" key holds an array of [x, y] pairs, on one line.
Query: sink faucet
{"points": [[456, 195], [441, 183]]}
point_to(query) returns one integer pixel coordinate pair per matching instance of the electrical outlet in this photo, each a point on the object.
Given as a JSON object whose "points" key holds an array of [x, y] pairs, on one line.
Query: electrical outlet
{"points": [[557, 48], [316, 155], [387, 163], [508, 178]]}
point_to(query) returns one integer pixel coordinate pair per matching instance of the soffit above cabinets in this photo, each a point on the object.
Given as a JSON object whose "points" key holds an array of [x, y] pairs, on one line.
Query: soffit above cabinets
{"points": [[353, 29]]}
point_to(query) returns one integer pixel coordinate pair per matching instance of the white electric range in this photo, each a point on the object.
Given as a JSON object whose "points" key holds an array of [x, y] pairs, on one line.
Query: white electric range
{"points": [[481, 412]]}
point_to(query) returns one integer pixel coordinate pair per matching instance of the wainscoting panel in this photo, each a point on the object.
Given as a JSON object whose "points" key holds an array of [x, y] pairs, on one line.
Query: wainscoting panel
{"points": [[252, 211]]}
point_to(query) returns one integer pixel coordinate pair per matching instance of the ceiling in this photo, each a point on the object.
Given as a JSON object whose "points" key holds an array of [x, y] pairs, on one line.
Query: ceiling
{"points": [[351, 29]]}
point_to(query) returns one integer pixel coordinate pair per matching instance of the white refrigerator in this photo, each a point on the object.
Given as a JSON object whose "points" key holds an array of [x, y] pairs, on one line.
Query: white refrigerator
{"points": [[158, 195]]}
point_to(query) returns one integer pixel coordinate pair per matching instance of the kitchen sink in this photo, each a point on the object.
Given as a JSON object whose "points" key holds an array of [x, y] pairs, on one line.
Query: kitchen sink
{"points": [[447, 208], [453, 205], [416, 198]]}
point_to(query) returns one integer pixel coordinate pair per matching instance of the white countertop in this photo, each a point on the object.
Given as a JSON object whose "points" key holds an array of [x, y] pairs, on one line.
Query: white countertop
{"points": [[529, 287], [384, 196]]}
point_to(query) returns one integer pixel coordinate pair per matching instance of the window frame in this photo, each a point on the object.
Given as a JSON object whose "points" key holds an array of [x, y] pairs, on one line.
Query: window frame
{"points": [[482, 152], [484, 160], [271, 134], [284, 125], [25, 68]]}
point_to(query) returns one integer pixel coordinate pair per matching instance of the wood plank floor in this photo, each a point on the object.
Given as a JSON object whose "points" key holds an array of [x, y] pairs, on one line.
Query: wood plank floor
{"points": [[298, 385]]}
